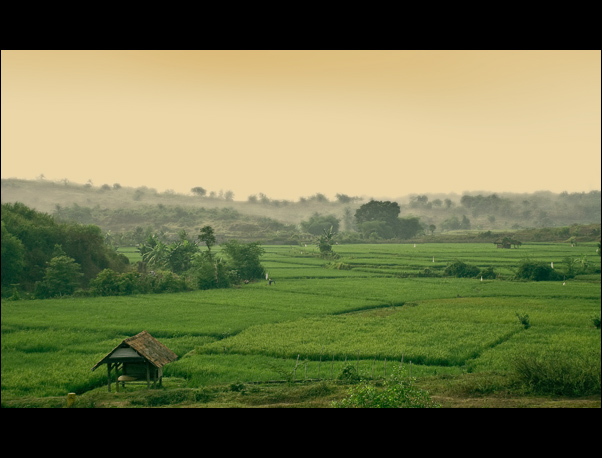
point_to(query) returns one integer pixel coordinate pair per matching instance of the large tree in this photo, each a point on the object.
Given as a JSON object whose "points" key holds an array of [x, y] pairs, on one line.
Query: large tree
{"points": [[13, 259], [39, 233], [380, 219], [244, 259], [318, 223], [61, 278], [377, 210]]}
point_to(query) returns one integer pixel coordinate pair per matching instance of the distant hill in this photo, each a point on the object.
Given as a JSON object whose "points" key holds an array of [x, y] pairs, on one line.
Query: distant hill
{"points": [[132, 212]]}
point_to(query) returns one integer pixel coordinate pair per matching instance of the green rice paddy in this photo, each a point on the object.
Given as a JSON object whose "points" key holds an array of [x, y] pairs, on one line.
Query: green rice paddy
{"points": [[379, 308]]}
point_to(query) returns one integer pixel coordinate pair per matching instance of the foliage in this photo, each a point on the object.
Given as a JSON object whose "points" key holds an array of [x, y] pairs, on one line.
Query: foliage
{"points": [[61, 278], [210, 272], [375, 230], [376, 210], [180, 253], [317, 224], [199, 191], [207, 235], [154, 251], [406, 228], [244, 259], [481, 205], [507, 242], [398, 391], [488, 273], [524, 320], [324, 244], [461, 269], [13, 258], [230, 335], [349, 373], [453, 223], [111, 283], [38, 233], [379, 220], [536, 271], [559, 375]]}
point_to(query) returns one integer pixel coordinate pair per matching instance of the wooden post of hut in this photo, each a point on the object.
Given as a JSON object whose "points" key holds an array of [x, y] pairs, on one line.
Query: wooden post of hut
{"points": [[140, 358]]}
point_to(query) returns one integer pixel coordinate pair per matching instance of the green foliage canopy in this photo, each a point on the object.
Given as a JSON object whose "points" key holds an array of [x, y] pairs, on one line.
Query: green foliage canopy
{"points": [[38, 234], [317, 224], [244, 259]]}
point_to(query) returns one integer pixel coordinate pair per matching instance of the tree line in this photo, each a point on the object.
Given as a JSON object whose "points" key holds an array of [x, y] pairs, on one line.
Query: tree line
{"points": [[43, 258]]}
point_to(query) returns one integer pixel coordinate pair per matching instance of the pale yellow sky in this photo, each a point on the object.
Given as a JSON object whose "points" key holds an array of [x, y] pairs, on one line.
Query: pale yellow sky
{"points": [[295, 123]]}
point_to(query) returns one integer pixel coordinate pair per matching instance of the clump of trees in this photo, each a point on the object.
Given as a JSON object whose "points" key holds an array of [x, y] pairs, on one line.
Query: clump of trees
{"points": [[318, 223], [461, 269], [453, 223], [49, 258], [380, 220], [537, 271], [42, 258], [183, 264], [396, 391]]}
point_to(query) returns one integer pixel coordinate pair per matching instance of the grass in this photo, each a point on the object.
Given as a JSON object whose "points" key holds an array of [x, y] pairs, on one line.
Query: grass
{"points": [[313, 321]]}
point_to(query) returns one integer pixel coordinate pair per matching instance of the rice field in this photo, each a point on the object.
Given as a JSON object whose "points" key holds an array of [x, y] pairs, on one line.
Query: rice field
{"points": [[373, 307]]}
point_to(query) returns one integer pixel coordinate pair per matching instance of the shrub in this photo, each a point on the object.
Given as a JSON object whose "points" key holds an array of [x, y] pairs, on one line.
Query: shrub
{"points": [[536, 271], [106, 283], [61, 278], [349, 374], [557, 375], [488, 273], [524, 320], [168, 282], [461, 270], [397, 391]]}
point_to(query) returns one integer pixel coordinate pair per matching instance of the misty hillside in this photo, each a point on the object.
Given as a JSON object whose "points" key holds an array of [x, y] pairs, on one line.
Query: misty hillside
{"points": [[131, 213]]}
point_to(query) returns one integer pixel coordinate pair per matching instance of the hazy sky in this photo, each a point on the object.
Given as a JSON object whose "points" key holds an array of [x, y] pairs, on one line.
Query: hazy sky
{"points": [[296, 123]]}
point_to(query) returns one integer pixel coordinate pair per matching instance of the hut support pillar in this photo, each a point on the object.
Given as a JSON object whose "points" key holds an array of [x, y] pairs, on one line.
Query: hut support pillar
{"points": [[109, 376]]}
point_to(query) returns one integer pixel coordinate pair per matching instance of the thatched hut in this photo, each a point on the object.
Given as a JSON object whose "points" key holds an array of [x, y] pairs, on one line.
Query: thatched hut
{"points": [[140, 359]]}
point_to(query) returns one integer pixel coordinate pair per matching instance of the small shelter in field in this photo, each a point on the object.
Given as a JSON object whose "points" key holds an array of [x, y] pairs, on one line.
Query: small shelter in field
{"points": [[140, 358]]}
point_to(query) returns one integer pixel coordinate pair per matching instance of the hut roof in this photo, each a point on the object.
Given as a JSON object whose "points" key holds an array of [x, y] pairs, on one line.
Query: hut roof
{"points": [[144, 346]]}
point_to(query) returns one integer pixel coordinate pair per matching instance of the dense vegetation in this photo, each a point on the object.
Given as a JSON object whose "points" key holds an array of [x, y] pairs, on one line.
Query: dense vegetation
{"points": [[351, 329], [53, 258], [43, 259], [520, 313], [129, 215]]}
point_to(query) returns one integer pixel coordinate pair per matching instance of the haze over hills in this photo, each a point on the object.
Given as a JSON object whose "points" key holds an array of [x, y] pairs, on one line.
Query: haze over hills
{"points": [[123, 210]]}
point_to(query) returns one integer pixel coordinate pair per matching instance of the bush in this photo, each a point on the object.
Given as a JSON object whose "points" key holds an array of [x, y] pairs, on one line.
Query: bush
{"points": [[244, 259], [168, 282], [524, 320], [536, 271], [397, 391], [349, 374], [488, 274], [461, 270], [61, 278], [106, 283], [561, 376], [210, 274], [111, 283]]}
